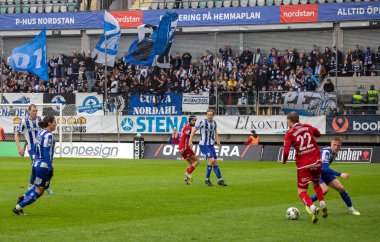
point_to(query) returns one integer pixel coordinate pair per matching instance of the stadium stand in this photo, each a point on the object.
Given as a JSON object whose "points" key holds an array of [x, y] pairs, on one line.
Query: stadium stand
{"points": [[38, 6]]}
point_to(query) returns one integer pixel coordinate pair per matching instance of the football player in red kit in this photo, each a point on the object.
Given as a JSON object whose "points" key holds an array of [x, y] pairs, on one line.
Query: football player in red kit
{"points": [[308, 161], [186, 151]]}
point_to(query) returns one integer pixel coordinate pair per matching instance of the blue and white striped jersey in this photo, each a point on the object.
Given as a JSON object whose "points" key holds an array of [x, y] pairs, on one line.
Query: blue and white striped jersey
{"points": [[30, 129], [44, 149], [207, 130], [327, 156]]}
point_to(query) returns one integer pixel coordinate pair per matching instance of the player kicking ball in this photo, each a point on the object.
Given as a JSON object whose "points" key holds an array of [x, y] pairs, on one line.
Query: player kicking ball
{"points": [[328, 177], [308, 161], [186, 151], [209, 136]]}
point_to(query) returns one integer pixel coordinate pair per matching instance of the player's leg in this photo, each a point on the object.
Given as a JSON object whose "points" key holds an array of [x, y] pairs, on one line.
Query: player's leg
{"points": [[216, 167], [337, 185], [314, 196], [207, 153], [40, 184], [193, 163], [304, 178], [315, 172]]}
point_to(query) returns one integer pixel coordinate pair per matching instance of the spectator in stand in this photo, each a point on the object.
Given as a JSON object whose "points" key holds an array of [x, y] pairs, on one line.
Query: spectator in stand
{"points": [[174, 137], [332, 66], [357, 68], [346, 68], [327, 55], [340, 56], [246, 57], [357, 54], [253, 139], [272, 57], [186, 60], [313, 52], [258, 57], [177, 62], [292, 60], [226, 52], [357, 101], [320, 71], [369, 59], [378, 61], [275, 99], [232, 84], [328, 86], [263, 100]]}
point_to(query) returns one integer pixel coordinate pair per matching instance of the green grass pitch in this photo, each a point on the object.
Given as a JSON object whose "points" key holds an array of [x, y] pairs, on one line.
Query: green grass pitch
{"points": [[147, 200]]}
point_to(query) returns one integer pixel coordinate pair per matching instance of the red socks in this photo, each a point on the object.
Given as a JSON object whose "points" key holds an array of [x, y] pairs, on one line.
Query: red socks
{"points": [[190, 169], [306, 199], [319, 192]]}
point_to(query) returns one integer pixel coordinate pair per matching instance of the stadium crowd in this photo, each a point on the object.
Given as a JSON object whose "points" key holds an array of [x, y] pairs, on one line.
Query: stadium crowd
{"points": [[249, 71]]}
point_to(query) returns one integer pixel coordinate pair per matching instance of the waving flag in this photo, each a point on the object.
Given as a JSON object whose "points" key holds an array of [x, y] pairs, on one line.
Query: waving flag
{"points": [[153, 41], [31, 57], [111, 35]]}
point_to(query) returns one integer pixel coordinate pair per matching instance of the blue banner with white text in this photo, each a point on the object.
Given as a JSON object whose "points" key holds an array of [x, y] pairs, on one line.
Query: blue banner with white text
{"points": [[79, 20], [218, 16], [348, 11], [154, 104]]}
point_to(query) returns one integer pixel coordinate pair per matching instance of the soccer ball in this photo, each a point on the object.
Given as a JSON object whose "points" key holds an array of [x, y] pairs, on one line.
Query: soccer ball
{"points": [[292, 213]]}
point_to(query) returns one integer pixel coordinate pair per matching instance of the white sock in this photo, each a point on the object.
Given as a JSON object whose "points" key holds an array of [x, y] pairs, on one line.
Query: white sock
{"points": [[351, 208], [312, 208], [18, 207], [322, 204]]}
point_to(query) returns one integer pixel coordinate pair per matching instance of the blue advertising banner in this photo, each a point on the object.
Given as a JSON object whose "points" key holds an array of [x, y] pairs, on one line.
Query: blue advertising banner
{"points": [[79, 20], [153, 104], [355, 124], [348, 11], [218, 16]]}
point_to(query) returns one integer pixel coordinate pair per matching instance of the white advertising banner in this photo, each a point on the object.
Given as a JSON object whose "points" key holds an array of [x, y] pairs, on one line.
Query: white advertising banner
{"points": [[263, 124], [93, 150], [165, 124], [195, 103], [19, 98], [89, 104]]}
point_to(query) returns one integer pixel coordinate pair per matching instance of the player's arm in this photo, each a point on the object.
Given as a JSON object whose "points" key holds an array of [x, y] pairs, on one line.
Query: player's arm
{"points": [[193, 130], [182, 141], [47, 146], [287, 145], [17, 138], [217, 136], [326, 164]]}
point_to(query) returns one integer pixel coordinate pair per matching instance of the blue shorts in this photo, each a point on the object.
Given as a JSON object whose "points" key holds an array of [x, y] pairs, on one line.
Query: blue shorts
{"points": [[326, 178], [42, 177], [208, 151]]}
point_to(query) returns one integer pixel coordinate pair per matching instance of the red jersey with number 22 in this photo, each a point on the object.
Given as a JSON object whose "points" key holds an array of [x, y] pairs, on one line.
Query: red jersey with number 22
{"points": [[302, 138]]}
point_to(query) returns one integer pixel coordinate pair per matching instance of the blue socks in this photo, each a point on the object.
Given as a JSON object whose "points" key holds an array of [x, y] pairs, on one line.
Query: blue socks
{"points": [[346, 198], [314, 197], [208, 172], [30, 198], [217, 172]]}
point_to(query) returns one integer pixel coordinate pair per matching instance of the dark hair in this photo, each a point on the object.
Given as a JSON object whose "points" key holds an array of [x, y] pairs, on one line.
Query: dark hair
{"points": [[45, 122], [31, 106], [293, 117]]}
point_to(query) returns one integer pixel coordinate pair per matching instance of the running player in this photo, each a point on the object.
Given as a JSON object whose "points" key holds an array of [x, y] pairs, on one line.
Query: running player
{"points": [[328, 177], [186, 151], [209, 135], [43, 164], [29, 127], [309, 166]]}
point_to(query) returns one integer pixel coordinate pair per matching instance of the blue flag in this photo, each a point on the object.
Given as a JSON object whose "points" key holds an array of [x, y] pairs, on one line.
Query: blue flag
{"points": [[111, 33], [153, 41], [165, 31], [31, 57]]}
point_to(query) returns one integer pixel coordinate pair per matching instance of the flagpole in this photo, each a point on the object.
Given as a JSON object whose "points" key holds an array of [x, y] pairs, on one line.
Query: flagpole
{"points": [[105, 66], [1, 70]]}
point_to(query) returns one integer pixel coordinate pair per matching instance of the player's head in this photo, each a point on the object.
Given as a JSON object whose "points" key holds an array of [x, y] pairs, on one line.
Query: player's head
{"points": [[336, 144], [175, 130], [210, 114], [192, 120], [48, 122], [292, 118], [32, 109]]}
